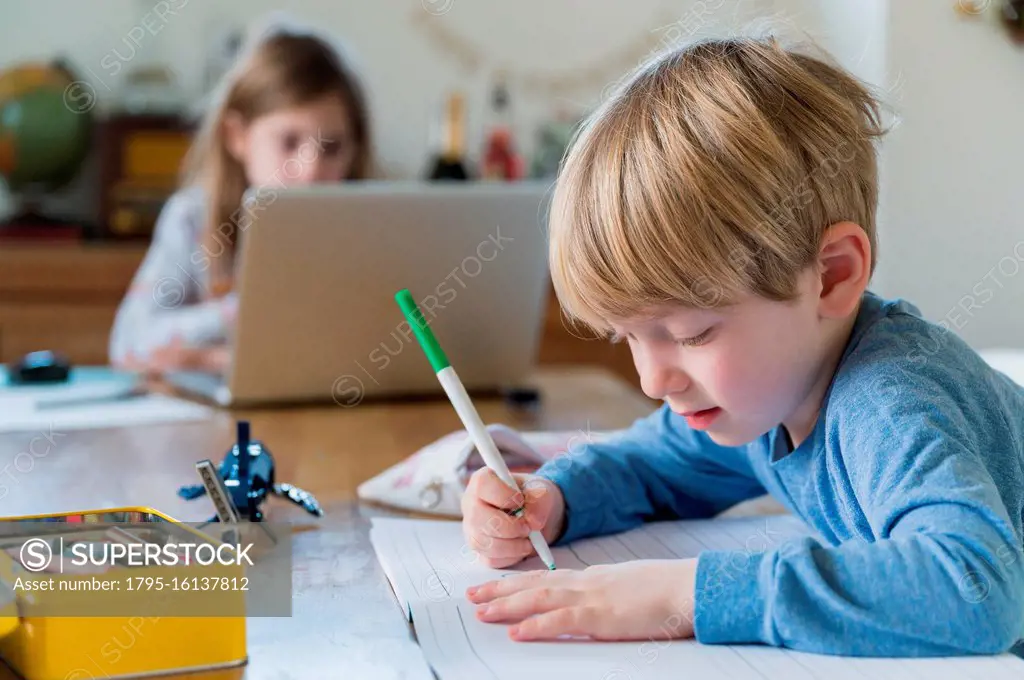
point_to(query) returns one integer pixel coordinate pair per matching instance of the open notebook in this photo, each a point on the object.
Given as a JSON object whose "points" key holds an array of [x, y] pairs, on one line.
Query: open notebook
{"points": [[430, 567]]}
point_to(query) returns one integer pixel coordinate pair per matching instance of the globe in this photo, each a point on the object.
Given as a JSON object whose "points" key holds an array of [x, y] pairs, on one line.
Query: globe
{"points": [[45, 125]]}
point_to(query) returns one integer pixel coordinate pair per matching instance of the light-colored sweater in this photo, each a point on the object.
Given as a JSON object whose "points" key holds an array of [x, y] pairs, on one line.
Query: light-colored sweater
{"points": [[167, 297]]}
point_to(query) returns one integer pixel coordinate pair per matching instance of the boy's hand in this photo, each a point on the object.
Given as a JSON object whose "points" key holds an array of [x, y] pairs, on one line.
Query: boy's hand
{"points": [[499, 538], [642, 600]]}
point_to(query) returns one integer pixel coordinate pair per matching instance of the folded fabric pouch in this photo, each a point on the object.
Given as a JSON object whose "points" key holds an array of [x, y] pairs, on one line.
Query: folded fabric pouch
{"points": [[434, 478]]}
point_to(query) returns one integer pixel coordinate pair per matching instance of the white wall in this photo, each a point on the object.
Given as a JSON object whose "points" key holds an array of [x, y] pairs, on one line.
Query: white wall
{"points": [[954, 210], [951, 218], [853, 31]]}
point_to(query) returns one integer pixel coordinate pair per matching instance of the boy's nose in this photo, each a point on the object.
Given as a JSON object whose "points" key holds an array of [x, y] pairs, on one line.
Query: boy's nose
{"points": [[658, 379]]}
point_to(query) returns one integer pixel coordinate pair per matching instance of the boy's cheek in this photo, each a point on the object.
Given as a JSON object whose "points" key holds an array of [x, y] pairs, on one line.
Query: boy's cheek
{"points": [[731, 375], [749, 386]]}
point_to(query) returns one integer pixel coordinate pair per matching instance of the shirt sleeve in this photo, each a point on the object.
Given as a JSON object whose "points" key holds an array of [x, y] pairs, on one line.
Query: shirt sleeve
{"points": [[656, 469], [164, 300], [944, 574]]}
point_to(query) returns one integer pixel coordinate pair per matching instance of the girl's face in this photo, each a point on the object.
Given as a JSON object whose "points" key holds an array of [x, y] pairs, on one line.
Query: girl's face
{"points": [[301, 145]]}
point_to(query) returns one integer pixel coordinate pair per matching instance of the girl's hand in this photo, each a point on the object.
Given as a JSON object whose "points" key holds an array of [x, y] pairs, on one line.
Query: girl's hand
{"points": [[176, 356], [229, 308], [641, 600], [499, 538]]}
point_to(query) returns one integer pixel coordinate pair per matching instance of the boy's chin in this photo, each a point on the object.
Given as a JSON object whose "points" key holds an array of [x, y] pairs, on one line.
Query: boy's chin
{"points": [[726, 437]]}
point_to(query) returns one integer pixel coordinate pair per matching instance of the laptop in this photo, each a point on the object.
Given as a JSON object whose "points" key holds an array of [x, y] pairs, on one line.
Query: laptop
{"points": [[319, 268]]}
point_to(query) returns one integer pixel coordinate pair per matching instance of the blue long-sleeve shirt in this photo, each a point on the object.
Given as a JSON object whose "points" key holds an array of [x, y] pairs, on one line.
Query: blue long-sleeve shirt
{"points": [[913, 478]]}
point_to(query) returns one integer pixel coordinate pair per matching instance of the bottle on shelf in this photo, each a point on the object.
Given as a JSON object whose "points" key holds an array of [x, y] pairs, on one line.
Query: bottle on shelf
{"points": [[449, 160], [501, 161]]}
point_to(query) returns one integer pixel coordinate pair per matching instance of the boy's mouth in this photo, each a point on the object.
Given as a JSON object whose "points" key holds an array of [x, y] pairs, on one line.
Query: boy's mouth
{"points": [[700, 420]]}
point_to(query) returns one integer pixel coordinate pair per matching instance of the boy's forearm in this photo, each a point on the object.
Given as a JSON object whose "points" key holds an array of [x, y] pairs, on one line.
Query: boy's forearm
{"points": [[656, 469], [918, 595]]}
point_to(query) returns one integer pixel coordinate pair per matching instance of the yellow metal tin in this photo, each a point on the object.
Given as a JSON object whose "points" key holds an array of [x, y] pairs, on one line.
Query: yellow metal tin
{"points": [[71, 647]]}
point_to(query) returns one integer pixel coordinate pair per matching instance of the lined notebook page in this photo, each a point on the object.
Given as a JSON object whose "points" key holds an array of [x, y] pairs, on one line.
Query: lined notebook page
{"points": [[430, 566]]}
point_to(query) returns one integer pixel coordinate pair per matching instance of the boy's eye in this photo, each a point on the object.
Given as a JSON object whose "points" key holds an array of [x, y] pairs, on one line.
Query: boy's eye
{"points": [[695, 340], [290, 142]]}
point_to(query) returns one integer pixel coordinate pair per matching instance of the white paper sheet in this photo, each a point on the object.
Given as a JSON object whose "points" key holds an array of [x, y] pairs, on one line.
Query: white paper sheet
{"points": [[22, 413], [430, 566]]}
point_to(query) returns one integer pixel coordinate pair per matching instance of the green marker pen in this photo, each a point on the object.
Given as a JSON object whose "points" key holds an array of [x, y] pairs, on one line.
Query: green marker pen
{"points": [[457, 394]]}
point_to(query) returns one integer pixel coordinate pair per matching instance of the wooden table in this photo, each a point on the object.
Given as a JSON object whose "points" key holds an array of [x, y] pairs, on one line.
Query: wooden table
{"points": [[347, 623]]}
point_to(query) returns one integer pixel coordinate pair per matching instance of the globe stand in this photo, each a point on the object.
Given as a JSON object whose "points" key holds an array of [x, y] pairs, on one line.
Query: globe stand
{"points": [[31, 223], [44, 141]]}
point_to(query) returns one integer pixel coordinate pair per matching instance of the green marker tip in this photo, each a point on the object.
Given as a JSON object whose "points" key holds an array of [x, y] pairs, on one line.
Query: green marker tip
{"points": [[428, 343]]}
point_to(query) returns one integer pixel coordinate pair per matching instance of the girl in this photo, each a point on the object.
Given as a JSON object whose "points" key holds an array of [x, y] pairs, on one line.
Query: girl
{"points": [[290, 112]]}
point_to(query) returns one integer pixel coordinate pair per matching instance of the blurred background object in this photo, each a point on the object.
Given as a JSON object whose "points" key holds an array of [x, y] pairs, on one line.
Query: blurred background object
{"points": [[500, 158], [140, 156], [448, 160], [45, 131], [553, 139], [1013, 16], [150, 90]]}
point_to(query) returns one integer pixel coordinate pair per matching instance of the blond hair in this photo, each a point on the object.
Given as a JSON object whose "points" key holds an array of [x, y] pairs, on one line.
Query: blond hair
{"points": [[282, 68], [713, 171]]}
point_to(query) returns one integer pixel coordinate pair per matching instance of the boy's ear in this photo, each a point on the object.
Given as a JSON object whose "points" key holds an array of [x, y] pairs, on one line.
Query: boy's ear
{"points": [[236, 135], [844, 265]]}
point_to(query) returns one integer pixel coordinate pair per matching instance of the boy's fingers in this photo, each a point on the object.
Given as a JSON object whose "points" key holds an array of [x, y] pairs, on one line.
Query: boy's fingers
{"points": [[493, 491], [535, 519], [538, 503], [549, 625], [503, 587], [501, 548], [495, 523], [533, 488], [527, 603]]}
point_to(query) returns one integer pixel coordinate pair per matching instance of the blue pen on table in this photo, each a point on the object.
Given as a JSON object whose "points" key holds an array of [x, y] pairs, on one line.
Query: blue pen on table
{"points": [[456, 392]]}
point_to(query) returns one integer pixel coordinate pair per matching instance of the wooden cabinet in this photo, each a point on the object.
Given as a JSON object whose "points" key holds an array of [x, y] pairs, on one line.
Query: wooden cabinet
{"points": [[64, 298]]}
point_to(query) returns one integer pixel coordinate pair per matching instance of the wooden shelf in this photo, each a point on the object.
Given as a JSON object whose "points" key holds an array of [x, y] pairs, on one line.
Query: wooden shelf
{"points": [[62, 296]]}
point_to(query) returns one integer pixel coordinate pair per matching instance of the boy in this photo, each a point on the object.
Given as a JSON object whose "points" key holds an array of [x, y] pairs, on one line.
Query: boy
{"points": [[718, 214]]}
